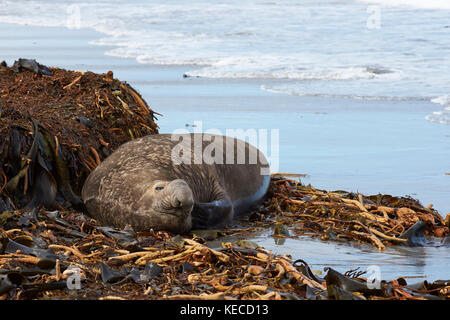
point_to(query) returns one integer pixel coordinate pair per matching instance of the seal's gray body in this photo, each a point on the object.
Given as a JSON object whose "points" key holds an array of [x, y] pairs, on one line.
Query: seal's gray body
{"points": [[121, 190]]}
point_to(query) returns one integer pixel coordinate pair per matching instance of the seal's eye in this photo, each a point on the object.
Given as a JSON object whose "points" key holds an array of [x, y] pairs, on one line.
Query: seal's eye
{"points": [[159, 188]]}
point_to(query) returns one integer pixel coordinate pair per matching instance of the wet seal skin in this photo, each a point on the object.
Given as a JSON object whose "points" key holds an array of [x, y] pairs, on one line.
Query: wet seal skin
{"points": [[140, 185]]}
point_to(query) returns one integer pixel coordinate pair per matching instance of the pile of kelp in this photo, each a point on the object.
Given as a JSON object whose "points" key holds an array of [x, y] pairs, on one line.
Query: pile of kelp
{"points": [[56, 126], [294, 209], [64, 255]]}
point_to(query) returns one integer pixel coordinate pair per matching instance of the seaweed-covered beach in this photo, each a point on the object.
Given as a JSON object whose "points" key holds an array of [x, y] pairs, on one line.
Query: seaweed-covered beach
{"points": [[359, 209], [52, 250]]}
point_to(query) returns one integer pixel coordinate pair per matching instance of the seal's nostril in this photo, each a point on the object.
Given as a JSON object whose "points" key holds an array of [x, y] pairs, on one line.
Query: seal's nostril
{"points": [[176, 203]]}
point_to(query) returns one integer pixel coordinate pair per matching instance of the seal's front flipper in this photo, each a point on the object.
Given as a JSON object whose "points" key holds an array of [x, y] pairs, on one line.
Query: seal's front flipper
{"points": [[210, 214]]}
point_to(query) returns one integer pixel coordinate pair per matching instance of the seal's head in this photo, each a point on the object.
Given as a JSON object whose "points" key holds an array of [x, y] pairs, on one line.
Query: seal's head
{"points": [[167, 206]]}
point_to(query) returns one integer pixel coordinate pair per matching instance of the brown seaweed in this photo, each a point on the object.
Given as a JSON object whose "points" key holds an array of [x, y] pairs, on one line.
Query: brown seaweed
{"points": [[379, 220], [165, 266], [58, 125]]}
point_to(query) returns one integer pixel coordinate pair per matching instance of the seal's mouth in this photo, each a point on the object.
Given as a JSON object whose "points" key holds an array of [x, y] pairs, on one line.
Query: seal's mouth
{"points": [[178, 213], [175, 220]]}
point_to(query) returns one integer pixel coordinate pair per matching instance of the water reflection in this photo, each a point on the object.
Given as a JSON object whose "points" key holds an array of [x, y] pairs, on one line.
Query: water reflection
{"points": [[429, 263]]}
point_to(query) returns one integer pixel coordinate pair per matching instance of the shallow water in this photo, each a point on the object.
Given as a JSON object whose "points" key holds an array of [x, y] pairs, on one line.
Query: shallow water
{"points": [[414, 264], [429, 263]]}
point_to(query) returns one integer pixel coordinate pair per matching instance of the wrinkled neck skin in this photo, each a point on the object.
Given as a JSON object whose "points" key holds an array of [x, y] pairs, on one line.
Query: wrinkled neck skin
{"points": [[200, 179]]}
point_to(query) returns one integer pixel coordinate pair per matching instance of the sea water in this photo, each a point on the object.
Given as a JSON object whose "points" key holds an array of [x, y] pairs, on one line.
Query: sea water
{"points": [[385, 50]]}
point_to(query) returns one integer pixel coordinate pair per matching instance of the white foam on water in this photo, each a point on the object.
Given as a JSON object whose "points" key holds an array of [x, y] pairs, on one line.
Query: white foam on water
{"points": [[298, 92], [443, 100], [419, 4], [251, 68], [444, 115], [326, 47]]}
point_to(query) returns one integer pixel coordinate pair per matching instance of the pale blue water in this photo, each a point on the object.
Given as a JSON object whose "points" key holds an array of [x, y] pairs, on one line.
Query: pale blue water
{"points": [[365, 146], [415, 264]]}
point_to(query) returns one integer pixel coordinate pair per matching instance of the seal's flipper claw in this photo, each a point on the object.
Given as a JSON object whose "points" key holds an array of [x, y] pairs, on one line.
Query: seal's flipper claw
{"points": [[198, 223], [200, 216], [211, 214]]}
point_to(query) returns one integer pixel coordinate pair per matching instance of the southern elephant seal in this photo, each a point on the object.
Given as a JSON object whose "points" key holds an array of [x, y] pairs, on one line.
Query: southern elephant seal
{"points": [[177, 182]]}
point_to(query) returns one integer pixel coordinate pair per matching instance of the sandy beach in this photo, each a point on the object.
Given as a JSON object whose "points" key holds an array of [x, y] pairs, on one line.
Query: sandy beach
{"points": [[348, 144]]}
